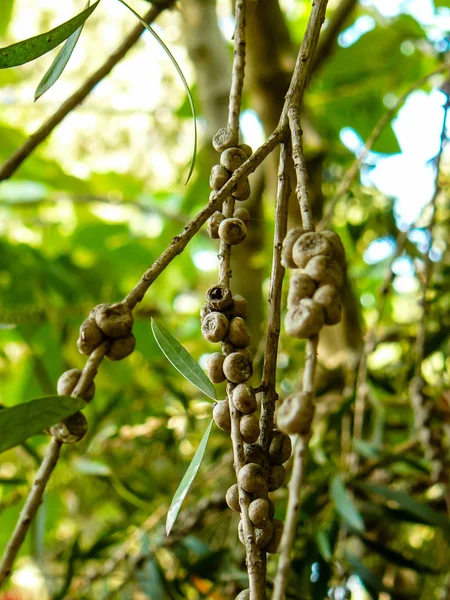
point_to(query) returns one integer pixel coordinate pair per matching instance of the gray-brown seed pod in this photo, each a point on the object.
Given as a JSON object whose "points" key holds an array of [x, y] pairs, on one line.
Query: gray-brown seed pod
{"points": [[244, 399], [329, 298], [253, 453], [280, 448], [249, 428], [309, 245], [300, 286], [288, 242], [215, 367], [247, 149], [232, 158], [232, 498], [273, 545], [239, 307], [67, 382], [214, 327], [224, 139], [218, 178], [72, 429], [90, 337], [237, 367], [213, 224], [242, 214], [258, 512], [338, 247], [237, 333], [276, 477], [244, 595], [221, 415], [296, 413], [121, 348], [306, 320], [251, 478], [115, 320], [263, 534], [232, 231], [242, 190], [205, 310], [218, 297], [325, 270]]}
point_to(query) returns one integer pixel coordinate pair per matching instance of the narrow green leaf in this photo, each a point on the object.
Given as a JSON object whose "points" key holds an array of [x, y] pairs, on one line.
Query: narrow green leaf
{"points": [[30, 49], [187, 480], [60, 62], [24, 420], [182, 77], [5, 15], [345, 505], [180, 358], [409, 505], [91, 467], [323, 544], [149, 580]]}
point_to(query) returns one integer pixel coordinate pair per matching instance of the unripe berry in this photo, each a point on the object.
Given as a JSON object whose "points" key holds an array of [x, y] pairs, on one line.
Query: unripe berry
{"points": [[325, 270], [115, 320], [213, 224], [232, 498], [121, 348], [258, 512], [221, 415], [242, 189], [232, 231], [309, 245], [90, 337], [251, 478], [219, 297], [244, 399], [300, 286], [242, 214], [237, 367], [272, 546], [215, 367], [249, 428], [288, 242], [232, 158], [280, 448], [253, 453], [71, 429], [306, 320], [68, 381], [277, 475], [218, 178], [214, 327], [296, 413], [238, 334], [224, 139]]}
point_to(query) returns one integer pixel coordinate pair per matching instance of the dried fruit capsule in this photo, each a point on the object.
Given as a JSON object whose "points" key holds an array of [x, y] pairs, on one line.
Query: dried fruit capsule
{"points": [[329, 298], [219, 297], [232, 158], [244, 399], [232, 498], [280, 448], [237, 333], [242, 189], [300, 286], [214, 327], [213, 224], [72, 429], [309, 245], [296, 413], [253, 453], [115, 320], [221, 415], [325, 270], [224, 139], [90, 337], [237, 367], [215, 367], [244, 595], [67, 382], [249, 428], [232, 231], [247, 149], [251, 478], [121, 348], [272, 546], [338, 247], [305, 320], [239, 307], [277, 475], [288, 242], [218, 178], [242, 214], [258, 512]]}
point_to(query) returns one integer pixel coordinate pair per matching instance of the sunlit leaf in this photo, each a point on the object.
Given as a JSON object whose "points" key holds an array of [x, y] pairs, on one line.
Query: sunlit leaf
{"points": [[345, 505], [187, 480], [92, 467], [30, 49], [5, 15], [60, 62], [30, 418], [182, 360]]}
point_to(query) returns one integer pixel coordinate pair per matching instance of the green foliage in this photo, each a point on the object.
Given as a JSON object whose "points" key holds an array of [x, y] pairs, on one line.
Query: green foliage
{"points": [[5, 15], [345, 505]]}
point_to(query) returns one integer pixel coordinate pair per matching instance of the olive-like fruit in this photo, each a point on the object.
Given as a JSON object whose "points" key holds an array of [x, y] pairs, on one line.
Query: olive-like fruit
{"points": [[219, 297], [288, 242], [232, 231], [239, 307], [68, 381], [309, 245], [244, 399], [215, 367], [237, 367], [305, 320], [242, 189], [218, 178], [325, 270], [115, 320], [214, 327], [121, 348], [251, 478], [242, 214], [90, 337], [273, 545], [213, 224], [338, 247], [262, 535], [221, 415], [258, 512], [71, 429], [300, 286], [232, 498], [232, 158], [224, 139], [238, 334], [329, 298], [247, 149], [249, 428], [296, 413], [253, 453], [280, 448], [277, 475]]}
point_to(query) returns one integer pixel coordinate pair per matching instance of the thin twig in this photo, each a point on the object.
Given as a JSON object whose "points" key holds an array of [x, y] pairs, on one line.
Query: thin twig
{"points": [[41, 134], [301, 189]]}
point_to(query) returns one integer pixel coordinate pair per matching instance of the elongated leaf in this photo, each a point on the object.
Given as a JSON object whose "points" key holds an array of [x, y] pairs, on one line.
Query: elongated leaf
{"points": [[24, 420], [180, 358], [5, 15], [187, 480], [323, 544], [182, 77], [409, 505], [60, 62], [373, 583], [345, 505], [30, 49]]}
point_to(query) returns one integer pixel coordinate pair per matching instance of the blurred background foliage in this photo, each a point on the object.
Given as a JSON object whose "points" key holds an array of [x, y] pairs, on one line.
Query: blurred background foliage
{"points": [[87, 212]]}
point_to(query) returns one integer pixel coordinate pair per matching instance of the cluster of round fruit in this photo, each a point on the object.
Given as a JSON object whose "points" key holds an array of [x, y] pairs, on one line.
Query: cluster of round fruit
{"points": [[231, 230], [314, 289], [107, 322]]}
